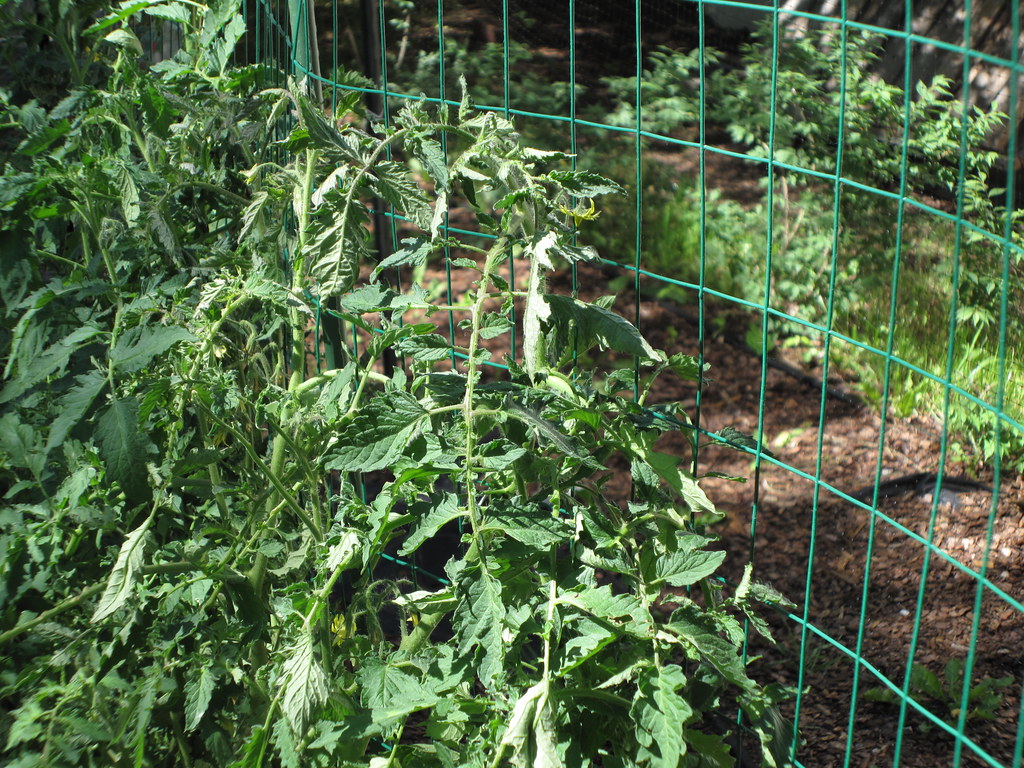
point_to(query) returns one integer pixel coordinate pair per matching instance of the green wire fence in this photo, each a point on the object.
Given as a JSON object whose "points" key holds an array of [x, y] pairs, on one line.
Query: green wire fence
{"points": [[874, 230]]}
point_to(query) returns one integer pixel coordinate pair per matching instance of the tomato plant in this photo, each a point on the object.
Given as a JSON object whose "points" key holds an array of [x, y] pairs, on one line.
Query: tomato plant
{"points": [[191, 542]]}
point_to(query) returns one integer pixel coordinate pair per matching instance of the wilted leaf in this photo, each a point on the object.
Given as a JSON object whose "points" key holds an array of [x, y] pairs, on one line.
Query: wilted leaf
{"points": [[595, 324], [122, 577], [305, 685]]}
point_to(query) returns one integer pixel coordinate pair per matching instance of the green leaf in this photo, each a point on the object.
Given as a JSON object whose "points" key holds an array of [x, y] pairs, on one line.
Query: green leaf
{"points": [[493, 325], [73, 404], [376, 437], [706, 750], [39, 141], [122, 577], [253, 750], [432, 514], [576, 254], [500, 454], [679, 480], [698, 630], [548, 432], [125, 38], [394, 184], [164, 231], [342, 553], [659, 713], [176, 12], [415, 253], [685, 367], [478, 623], [427, 348], [123, 447], [373, 297], [126, 10], [390, 691], [590, 638], [129, 192], [530, 524], [31, 372], [585, 183], [736, 439], [681, 569], [595, 324], [337, 245], [604, 604], [253, 218], [20, 443], [219, 51], [198, 692], [304, 684], [284, 745], [323, 134], [138, 346]]}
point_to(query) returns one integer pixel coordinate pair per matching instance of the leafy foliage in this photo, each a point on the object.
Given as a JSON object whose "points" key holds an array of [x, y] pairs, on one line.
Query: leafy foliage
{"points": [[945, 695], [198, 517], [795, 103]]}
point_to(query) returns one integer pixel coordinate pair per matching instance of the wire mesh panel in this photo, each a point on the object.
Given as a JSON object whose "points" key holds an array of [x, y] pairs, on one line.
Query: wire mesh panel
{"points": [[822, 202]]}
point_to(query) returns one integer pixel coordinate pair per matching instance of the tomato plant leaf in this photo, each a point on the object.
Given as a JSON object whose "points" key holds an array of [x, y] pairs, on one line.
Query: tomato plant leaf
{"points": [[198, 692], [123, 447], [659, 713], [681, 569], [376, 437], [338, 244], [304, 683], [414, 252], [73, 405], [432, 514], [597, 325], [479, 619], [530, 524], [393, 183], [700, 632], [122, 577], [390, 691], [137, 347], [536, 310], [253, 750]]}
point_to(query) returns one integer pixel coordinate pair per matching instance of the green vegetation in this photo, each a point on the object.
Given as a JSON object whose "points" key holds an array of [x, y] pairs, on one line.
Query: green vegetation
{"points": [[190, 542], [943, 695], [933, 275]]}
